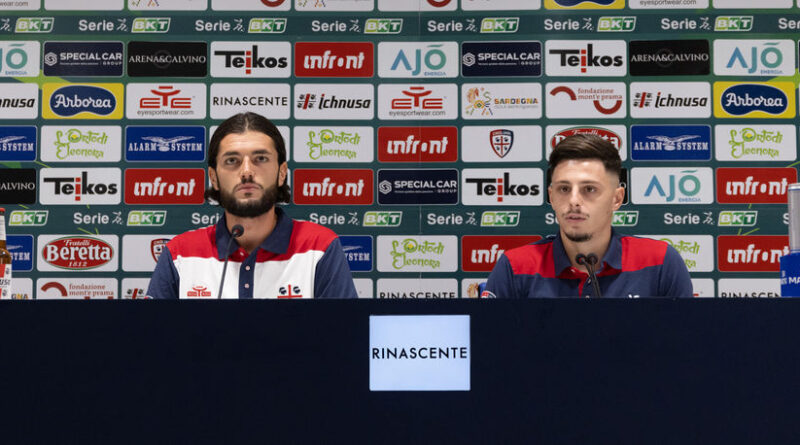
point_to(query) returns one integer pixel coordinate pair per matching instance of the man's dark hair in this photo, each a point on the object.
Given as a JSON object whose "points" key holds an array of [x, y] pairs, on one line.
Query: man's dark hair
{"points": [[585, 146], [242, 123]]}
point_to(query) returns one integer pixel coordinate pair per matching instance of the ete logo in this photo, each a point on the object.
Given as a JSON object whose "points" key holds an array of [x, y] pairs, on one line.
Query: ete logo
{"points": [[150, 25], [584, 4], [82, 101], [753, 100], [266, 26], [616, 24], [383, 26], [29, 218], [733, 23], [597, 105], [34, 24], [500, 25]]}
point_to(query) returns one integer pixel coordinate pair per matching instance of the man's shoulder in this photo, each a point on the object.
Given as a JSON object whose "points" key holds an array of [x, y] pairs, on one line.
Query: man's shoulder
{"points": [[638, 252], [531, 258], [307, 236], [197, 242]]}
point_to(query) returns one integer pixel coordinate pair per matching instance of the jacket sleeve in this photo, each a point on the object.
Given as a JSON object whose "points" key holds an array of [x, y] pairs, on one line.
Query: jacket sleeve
{"points": [[675, 280], [333, 278], [501, 281], [165, 281]]}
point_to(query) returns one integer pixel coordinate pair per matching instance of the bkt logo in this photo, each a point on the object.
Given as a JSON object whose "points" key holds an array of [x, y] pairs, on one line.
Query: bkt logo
{"points": [[513, 186], [670, 142], [333, 187], [28, 218], [411, 59], [595, 58], [503, 25], [616, 24], [479, 253], [754, 185], [383, 219], [150, 25], [82, 101], [383, 26], [79, 186], [17, 143], [243, 59], [417, 144], [19, 59], [625, 218], [754, 57], [751, 253], [147, 218], [164, 143], [756, 99], [34, 24], [164, 186], [500, 218], [741, 23], [358, 252], [266, 26], [672, 185], [584, 4], [737, 218], [334, 59]]}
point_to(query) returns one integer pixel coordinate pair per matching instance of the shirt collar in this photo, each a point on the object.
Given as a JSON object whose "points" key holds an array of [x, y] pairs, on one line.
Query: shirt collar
{"points": [[276, 242], [613, 256]]}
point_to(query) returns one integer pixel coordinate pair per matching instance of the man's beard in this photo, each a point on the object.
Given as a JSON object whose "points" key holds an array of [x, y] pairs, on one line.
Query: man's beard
{"points": [[578, 237], [249, 209]]}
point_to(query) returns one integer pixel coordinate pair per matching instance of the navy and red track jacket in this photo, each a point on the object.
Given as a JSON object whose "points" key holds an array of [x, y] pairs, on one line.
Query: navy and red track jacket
{"points": [[632, 267]]}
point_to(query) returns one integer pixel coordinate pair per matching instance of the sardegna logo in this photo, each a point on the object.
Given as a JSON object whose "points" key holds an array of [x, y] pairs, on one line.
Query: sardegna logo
{"points": [[77, 253]]}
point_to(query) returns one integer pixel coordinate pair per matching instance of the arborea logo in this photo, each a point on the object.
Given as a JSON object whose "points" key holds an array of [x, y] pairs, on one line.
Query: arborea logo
{"points": [[479, 253], [333, 187], [82, 101]]}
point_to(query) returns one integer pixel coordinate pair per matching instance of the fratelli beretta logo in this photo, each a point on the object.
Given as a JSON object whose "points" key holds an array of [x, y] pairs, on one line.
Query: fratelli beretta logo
{"points": [[82, 101], [754, 100]]}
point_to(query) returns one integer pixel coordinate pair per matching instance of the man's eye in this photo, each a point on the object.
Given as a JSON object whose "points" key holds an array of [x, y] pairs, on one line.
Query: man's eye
{"points": [[563, 189], [262, 159], [230, 161], [591, 189]]}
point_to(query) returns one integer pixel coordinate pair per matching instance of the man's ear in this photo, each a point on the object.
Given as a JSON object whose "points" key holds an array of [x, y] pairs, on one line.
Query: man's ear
{"points": [[212, 176], [283, 170], [619, 196]]}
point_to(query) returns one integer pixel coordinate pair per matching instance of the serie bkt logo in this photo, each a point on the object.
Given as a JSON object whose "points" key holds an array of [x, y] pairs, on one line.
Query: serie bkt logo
{"points": [[333, 59]]}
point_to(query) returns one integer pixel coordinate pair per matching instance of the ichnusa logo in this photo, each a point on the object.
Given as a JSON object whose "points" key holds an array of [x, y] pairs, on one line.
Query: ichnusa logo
{"points": [[584, 4], [82, 101], [266, 26], [504, 25], [754, 100], [150, 25], [34, 25]]}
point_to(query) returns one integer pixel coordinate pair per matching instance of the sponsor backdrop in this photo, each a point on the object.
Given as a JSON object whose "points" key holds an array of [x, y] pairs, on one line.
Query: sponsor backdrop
{"points": [[418, 130]]}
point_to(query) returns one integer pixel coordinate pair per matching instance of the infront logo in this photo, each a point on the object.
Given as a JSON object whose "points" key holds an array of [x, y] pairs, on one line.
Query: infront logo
{"points": [[479, 253], [334, 59], [417, 144], [751, 253], [164, 186], [333, 187], [754, 185]]}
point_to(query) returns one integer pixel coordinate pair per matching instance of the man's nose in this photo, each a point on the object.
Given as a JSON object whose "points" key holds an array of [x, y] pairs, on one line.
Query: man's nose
{"points": [[246, 169]]}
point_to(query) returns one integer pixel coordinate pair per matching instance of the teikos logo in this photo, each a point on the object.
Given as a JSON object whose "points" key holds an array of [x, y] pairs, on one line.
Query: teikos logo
{"points": [[18, 186], [77, 186], [166, 101], [501, 59], [753, 57], [333, 144], [508, 186], [164, 186], [83, 59], [19, 59], [604, 100], [670, 99], [754, 185], [501, 101], [417, 5], [77, 253], [18, 143], [333, 187], [507, 143], [416, 253], [334, 59], [82, 101], [584, 4], [616, 134], [251, 59], [670, 142], [751, 253], [81, 143], [665, 185], [418, 59], [755, 100], [403, 101], [669, 57], [167, 59], [585, 58], [334, 101], [417, 144], [418, 187], [479, 253], [755, 142], [165, 143], [20, 102]]}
